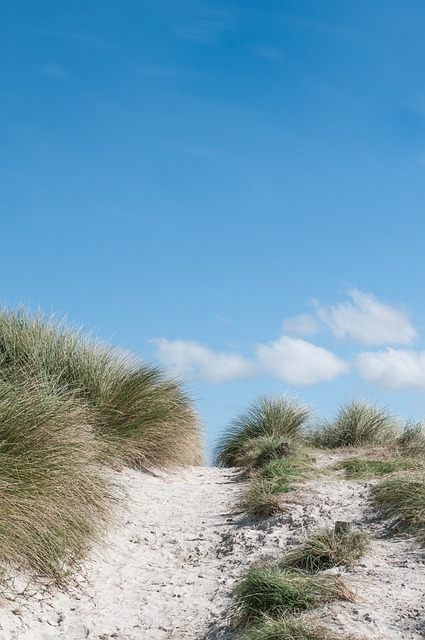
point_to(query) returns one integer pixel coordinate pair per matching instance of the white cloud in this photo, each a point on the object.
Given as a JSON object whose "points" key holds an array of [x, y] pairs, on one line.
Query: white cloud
{"points": [[393, 368], [198, 362], [368, 321], [299, 362], [304, 324]]}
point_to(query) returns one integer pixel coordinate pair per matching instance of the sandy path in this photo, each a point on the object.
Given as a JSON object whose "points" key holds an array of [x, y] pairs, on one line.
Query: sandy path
{"points": [[167, 571], [164, 574]]}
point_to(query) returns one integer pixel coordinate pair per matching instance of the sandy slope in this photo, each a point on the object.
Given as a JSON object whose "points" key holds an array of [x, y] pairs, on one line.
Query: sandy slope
{"points": [[167, 571]]}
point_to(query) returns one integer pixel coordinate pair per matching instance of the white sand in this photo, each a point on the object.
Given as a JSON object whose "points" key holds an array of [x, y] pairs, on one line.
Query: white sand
{"points": [[167, 571]]}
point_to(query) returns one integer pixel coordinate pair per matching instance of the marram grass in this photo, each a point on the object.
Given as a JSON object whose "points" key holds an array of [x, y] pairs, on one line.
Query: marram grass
{"points": [[411, 440], [401, 500], [274, 592], [68, 406], [357, 424], [55, 500], [326, 549], [268, 429], [369, 468], [142, 417], [289, 628], [262, 497]]}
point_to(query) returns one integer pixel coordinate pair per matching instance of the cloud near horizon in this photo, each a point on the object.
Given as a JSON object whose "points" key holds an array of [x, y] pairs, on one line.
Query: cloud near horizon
{"points": [[365, 320], [393, 368], [200, 363], [299, 362]]}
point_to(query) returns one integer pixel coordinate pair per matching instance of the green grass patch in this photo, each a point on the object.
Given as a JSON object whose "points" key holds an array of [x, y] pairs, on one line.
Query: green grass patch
{"points": [[261, 500], [357, 424], [269, 429], [401, 500], [273, 592], [55, 500], [142, 417], [327, 549], [411, 440], [289, 629], [69, 405], [366, 468]]}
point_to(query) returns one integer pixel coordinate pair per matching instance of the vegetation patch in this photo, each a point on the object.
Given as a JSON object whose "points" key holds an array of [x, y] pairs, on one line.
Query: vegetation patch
{"points": [[261, 500], [366, 468], [68, 406], [412, 440], [55, 500], [269, 429], [357, 424], [327, 549], [274, 592], [401, 500], [289, 629], [141, 417]]}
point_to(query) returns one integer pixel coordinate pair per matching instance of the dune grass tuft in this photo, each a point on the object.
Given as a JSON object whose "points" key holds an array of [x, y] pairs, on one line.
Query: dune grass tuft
{"points": [[261, 499], [267, 430], [401, 500], [327, 549], [289, 629], [68, 406], [276, 593], [368, 468], [357, 424], [142, 417], [55, 500], [411, 440]]}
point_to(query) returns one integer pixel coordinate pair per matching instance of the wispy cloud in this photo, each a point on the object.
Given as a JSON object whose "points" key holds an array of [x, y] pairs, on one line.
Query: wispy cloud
{"points": [[393, 368], [367, 320], [304, 324], [198, 362], [299, 362]]}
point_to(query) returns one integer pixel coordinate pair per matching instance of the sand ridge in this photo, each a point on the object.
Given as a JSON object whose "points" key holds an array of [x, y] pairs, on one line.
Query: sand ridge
{"points": [[167, 571]]}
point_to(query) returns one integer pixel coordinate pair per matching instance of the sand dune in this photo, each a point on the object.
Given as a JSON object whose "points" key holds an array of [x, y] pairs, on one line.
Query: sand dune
{"points": [[166, 572]]}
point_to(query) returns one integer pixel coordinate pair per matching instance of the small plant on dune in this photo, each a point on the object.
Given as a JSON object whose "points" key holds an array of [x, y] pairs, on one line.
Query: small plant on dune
{"points": [[268, 429], [276, 593], [259, 451], [289, 629], [367, 468], [411, 441], [357, 424], [261, 499], [401, 500], [327, 549], [55, 500], [142, 417]]}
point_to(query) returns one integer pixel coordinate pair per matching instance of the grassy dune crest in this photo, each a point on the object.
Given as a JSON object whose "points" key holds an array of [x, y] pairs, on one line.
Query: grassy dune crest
{"points": [[69, 406], [268, 429], [141, 416]]}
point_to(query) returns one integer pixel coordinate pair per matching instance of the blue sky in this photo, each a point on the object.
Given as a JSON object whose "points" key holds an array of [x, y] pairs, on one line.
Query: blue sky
{"points": [[234, 190]]}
